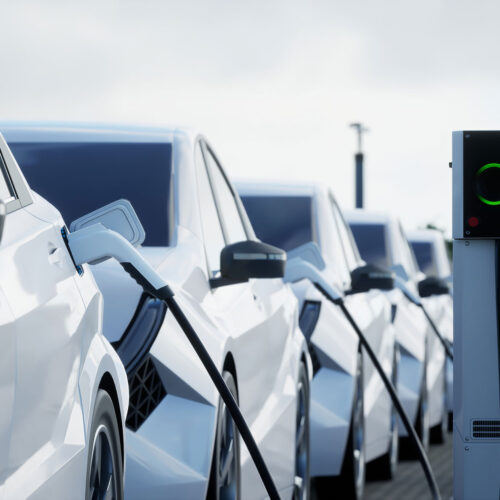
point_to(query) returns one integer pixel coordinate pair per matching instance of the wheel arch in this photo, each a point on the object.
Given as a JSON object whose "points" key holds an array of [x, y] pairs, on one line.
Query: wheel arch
{"points": [[230, 366], [107, 384]]}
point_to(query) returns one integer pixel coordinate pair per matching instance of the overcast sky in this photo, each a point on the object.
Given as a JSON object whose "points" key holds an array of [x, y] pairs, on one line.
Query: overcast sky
{"points": [[272, 84]]}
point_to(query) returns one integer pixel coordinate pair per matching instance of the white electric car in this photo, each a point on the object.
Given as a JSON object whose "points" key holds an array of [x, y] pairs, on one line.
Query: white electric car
{"points": [[63, 389], [430, 251], [352, 419], [181, 442], [421, 372]]}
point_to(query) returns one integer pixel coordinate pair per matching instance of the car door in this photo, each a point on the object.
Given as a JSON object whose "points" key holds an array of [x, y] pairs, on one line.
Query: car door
{"points": [[436, 382], [38, 281], [7, 344], [241, 307], [368, 308]]}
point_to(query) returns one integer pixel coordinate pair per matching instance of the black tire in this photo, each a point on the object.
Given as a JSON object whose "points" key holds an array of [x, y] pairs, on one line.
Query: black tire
{"points": [[349, 485], [225, 476], [439, 432], [422, 423], [105, 464], [385, 467], [302, 482]]}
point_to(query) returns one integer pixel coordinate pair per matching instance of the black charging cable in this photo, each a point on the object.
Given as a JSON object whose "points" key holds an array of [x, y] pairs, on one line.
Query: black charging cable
{"points": [[424, 461], [167, 296]]}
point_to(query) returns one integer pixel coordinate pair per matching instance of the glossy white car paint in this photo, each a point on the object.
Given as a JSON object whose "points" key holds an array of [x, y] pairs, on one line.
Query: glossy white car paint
{"points": [[249, 328], [333, 343], [53, 354], [440, 307], [414, 334]]}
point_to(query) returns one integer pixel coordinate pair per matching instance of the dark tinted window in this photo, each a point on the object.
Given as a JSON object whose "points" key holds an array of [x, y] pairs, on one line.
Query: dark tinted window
{"points": [[282, 221], [80, 177], [423, 253], [371, 242]]}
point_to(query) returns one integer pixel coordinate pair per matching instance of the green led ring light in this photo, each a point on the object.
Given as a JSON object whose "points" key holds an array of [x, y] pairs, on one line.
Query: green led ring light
{"points": [[478, 173]]}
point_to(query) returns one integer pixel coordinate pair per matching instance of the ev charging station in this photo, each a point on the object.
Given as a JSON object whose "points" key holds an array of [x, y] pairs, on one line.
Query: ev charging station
{"points": [[476, 300]]}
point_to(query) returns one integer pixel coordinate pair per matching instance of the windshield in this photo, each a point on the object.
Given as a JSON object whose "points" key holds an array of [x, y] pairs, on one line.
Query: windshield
{"points": [[282, 221], [425, 257], [78, 178], [371, 242]]}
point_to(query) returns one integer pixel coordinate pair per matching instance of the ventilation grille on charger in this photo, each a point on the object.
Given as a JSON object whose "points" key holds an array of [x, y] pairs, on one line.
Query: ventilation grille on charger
{"points": [[146, 393], [486, 429]]}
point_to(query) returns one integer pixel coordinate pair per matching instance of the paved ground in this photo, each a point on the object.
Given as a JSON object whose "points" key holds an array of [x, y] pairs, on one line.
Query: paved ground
{"points": [[410, 483]]}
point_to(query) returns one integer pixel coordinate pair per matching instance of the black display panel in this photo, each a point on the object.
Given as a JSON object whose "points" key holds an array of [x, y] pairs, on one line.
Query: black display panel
{"points": [[481, 184]]}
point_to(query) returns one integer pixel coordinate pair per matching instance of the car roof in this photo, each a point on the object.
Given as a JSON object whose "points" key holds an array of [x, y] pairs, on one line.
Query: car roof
{"points": [[275, 188], [429, 235], [367, 216], [88, 132]]}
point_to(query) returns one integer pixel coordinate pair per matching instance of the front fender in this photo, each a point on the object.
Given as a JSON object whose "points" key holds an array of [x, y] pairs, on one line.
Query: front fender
{"points": [[101, 358]]}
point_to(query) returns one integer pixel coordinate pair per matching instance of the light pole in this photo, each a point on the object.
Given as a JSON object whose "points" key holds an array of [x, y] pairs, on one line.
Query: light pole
{"points": [[358, 160]]}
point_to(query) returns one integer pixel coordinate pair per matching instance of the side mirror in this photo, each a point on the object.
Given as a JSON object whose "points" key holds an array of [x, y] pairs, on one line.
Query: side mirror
{"points": [[370, 277], [118, 216], [433, 286], [249, 259], [3, 213]]}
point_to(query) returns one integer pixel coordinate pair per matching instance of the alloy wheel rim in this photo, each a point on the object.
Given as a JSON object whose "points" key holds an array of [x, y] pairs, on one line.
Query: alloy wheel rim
{"points": [[102, 478], [227, 473], [358, 437], [394, 441], [394, 423], [425, 420], [301, 448]]}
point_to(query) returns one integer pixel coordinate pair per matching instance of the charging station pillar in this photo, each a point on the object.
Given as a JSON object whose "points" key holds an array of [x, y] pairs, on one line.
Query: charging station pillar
{"points": [[476, 287]]}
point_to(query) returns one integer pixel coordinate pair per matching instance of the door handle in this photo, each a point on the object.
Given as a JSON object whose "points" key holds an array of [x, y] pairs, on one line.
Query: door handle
{"points": [[258, 301], [55, 256]]}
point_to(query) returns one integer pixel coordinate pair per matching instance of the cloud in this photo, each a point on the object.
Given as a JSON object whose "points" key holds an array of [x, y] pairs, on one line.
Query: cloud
{"points": [[273, 84]]}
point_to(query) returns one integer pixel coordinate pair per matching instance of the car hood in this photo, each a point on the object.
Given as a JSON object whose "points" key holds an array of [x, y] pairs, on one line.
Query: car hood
{"points": [[120, 292]]}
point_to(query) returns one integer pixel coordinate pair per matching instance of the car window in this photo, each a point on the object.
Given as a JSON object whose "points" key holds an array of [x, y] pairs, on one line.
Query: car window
{"points": [[372, 243], [290, 223], [79, 177], [212, 231], [424, 252], [7, 191], [234, 228], [345, 237]]}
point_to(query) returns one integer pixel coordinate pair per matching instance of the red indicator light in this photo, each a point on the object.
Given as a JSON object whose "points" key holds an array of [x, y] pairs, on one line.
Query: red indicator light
{"points": [[473, 221]]}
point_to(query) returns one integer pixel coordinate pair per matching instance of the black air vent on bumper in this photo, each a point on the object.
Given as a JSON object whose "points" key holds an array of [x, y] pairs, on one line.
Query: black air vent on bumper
{"points": [[146, 393], [309, 317], [486, 429], [315, 360], [307, 321]]}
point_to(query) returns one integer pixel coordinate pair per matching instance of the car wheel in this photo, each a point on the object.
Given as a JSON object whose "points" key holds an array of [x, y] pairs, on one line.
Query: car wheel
{"points": [[225, 474], [422, 424], [351, 481], [385, 466], [439, 432], [302, 482], [104, 464]]}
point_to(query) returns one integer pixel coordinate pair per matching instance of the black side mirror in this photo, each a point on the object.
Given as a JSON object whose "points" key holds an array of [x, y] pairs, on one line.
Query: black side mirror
{"points": [[433, 286], [368, 277], [3, 212], [249, 259]]}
